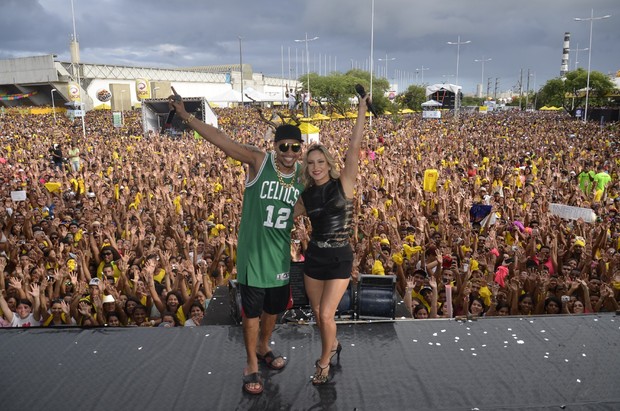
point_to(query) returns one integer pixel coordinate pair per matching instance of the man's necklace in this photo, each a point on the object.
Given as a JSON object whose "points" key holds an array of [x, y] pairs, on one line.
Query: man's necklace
{"points": [[280, 179]]}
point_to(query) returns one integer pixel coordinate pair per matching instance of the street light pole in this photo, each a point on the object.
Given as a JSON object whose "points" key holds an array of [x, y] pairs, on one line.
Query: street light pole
{"points": [[76, 73], [386, 59], [577, 50], [53, 105], [282, 78], [458, 52], [421, 70], [122, 107], [482, 60], [241, 69], [591, 20], [306, 40], [372, 49]]}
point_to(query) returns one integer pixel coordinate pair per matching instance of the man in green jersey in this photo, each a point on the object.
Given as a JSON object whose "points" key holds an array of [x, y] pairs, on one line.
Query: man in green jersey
{"points": [[263, 249], [599, 182]]}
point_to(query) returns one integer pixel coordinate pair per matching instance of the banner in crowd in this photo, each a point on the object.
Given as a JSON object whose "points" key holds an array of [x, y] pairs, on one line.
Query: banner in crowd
{"points": [[74, 91], [117, 119], [10, 97], [142, 89], [572, 213]]}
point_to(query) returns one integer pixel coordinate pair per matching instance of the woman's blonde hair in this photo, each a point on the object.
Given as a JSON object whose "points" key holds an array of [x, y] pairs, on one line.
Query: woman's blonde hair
{"points": [[334, 171]]}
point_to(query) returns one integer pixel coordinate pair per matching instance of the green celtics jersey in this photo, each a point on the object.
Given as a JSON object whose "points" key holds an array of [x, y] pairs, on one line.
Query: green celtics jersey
{"points": [[264, 244]]}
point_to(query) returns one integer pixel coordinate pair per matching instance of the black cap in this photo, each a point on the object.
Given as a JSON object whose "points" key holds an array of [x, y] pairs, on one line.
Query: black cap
{"points": [[287, 132], [425, 290], [421, 272]]}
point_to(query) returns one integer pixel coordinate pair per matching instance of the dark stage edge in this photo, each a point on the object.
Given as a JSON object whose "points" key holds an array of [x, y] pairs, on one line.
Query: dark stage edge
{"points": [[534, 363]]}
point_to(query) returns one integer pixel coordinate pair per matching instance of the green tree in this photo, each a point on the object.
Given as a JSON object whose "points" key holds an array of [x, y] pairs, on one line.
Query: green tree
{"points": [[552, 93], [412, 98], [570, 93], [472, 101], [332, 93]]}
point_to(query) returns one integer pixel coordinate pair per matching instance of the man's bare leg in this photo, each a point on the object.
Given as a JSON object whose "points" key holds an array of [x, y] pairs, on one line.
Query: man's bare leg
{"points": [[250, 338], [267, 324]]}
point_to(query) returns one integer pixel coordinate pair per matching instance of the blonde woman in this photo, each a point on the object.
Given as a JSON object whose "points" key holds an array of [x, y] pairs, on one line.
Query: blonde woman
{"points": [[328, 200]]}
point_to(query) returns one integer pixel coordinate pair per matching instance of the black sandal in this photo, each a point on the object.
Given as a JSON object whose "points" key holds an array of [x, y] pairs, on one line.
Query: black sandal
{"points": [[319, 377], [253, 378], [270, 359]]}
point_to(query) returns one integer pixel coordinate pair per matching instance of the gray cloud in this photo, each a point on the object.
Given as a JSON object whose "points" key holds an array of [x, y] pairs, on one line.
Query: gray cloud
{"points": [[517, 35]]}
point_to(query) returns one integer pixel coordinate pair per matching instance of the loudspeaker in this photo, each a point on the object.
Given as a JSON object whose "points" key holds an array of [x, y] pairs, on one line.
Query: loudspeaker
{"points": [[219, 309], [298, 289], [234, 295], [376, 296]]}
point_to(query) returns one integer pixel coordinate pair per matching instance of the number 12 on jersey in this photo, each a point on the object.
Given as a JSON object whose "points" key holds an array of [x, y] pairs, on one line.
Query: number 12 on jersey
{"points": [[280, 220]]}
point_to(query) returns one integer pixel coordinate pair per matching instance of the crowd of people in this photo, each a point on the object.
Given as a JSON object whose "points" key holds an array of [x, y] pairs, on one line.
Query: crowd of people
{"points": [[119, 229]]}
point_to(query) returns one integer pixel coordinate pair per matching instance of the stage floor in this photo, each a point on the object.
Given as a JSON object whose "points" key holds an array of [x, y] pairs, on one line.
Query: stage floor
{"points": [[491, 364]]}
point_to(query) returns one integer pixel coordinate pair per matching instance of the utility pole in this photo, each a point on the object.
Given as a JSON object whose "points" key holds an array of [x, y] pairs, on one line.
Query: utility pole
{"points": [[520, 89], [527, 94], [488, 86]]}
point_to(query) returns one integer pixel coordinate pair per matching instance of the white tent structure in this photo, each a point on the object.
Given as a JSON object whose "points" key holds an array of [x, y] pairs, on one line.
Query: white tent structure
{"points": [[257, 95], [453, 88], [229, 96], [430, 109], [446, 94], [431, 103], [232, 96]]}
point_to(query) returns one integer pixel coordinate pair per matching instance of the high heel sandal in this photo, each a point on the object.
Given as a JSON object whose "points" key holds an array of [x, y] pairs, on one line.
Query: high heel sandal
{"points": [[319, 377], [336, 352]]}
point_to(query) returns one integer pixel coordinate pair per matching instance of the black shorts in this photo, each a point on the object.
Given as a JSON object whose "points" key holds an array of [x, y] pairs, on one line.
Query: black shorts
{"points": [[328, 263], [255, 300]]}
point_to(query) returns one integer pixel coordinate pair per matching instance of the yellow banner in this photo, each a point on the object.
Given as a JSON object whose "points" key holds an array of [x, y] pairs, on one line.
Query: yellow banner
{"points": [[142, 89], [47, 110], [74, 91]]}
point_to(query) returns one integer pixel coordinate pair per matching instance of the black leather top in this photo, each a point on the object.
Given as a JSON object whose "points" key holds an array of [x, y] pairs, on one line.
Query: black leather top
{"points": [[329, 211]]}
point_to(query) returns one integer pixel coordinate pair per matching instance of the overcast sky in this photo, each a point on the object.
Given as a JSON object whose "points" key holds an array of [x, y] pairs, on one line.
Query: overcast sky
{"points": [[413, 34]]}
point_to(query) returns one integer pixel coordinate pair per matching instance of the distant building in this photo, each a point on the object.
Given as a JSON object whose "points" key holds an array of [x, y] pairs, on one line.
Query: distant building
{"points": [[35, 81]]}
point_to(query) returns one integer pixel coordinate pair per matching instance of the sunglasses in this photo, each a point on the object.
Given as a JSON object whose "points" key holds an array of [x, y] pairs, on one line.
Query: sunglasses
{"points": [[108, 253], [294, 146]]}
